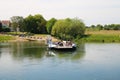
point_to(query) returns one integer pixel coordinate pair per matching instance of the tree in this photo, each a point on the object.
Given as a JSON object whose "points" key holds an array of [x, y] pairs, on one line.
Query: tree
{"points": [[50, 24], [112, 27], [92, 26], [99, 27], [0, 26], [115, 26], [35, 24], [6, 29], [106, 27], [17, 23], [78, 26], [41, 24], [68, 28]]}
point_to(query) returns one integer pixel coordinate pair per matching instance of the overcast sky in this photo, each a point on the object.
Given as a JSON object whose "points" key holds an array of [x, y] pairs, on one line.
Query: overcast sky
{"points": [[90, 11]]}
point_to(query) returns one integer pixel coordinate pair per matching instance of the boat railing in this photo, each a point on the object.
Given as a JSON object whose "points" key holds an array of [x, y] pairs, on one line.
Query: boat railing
{"points": [[64, 45]]}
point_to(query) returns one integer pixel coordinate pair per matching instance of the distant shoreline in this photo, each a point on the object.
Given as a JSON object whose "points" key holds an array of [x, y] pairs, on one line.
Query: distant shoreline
{"points": [[106, 36]]}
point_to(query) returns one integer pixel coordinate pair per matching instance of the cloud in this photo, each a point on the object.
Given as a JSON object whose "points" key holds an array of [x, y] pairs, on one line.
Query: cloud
{"points": [[91, 11]]}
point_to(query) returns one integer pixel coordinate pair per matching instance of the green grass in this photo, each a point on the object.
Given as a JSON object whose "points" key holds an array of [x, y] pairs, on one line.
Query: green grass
{"points": [[90, 36], [5, 38], [102, 36]]}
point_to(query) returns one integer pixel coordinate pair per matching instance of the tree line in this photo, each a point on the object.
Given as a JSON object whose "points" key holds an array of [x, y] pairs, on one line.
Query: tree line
{"points": [[69, 28], [64, 28], [104, 27]]}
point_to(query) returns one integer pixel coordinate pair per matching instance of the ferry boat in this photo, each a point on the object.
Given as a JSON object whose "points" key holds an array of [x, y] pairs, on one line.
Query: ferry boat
{"points": [[60, 45], [63, 45]]}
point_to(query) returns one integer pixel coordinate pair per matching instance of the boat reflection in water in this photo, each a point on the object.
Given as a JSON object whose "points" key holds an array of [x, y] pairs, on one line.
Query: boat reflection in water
{"points": [[77, 54], [50, 53]]}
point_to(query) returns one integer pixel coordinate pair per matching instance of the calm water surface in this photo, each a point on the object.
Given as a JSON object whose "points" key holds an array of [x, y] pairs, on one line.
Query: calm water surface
{"points": [[33, 61]]}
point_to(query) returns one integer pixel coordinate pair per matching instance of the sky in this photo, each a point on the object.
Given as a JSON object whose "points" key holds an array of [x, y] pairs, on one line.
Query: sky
{"points": [[90, 11]]}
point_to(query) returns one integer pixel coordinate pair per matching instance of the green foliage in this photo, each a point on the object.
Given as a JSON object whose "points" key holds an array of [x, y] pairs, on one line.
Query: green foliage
{"points": [[17, 23], [6, 38], [103, 27], [0, 26], [50, 24], [112, 27], [97, 27], [68, 28], [35, 24], [6, 29]]}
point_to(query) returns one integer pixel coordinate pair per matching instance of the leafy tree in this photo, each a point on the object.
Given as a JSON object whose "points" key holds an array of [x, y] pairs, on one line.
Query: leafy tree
{"points": [[0, 26], [106, 27], [6, 29], [35, 24], [41, 22], [29, 23], [95, 27], [99, 27], [50, 24], [78, 26], [112, 27], [68, 28], [92, 26], [17, 23], [115, 26]]}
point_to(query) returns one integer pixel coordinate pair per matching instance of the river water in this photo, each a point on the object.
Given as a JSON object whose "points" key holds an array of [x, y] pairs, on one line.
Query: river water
{"points": [[33, 61]]}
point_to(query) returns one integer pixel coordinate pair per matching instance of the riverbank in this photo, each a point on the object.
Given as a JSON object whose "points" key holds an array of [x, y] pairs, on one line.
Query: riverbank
{"points": [[6, 38], [101, 36], [22, 38], [109, 36]]}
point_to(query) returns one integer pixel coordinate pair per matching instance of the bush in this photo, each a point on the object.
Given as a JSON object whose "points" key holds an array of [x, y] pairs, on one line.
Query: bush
{"points": [[68, 28], [6, 29]]}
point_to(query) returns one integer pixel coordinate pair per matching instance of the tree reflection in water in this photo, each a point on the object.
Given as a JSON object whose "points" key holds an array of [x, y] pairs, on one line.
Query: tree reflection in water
{"points": [[0, 53], [37, 50]]}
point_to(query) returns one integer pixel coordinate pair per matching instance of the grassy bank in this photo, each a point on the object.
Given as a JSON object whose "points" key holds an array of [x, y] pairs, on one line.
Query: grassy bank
{"points": [[101, 36], [90, 36], [5, 38]]}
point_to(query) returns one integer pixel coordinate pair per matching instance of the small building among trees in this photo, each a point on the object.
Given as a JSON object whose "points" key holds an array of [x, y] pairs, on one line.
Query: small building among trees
{"points": [[5, 23], [5, 26]]}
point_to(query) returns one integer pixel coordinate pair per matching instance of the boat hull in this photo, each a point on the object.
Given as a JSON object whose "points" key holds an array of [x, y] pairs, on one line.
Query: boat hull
{"points": [[63, 49]]}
